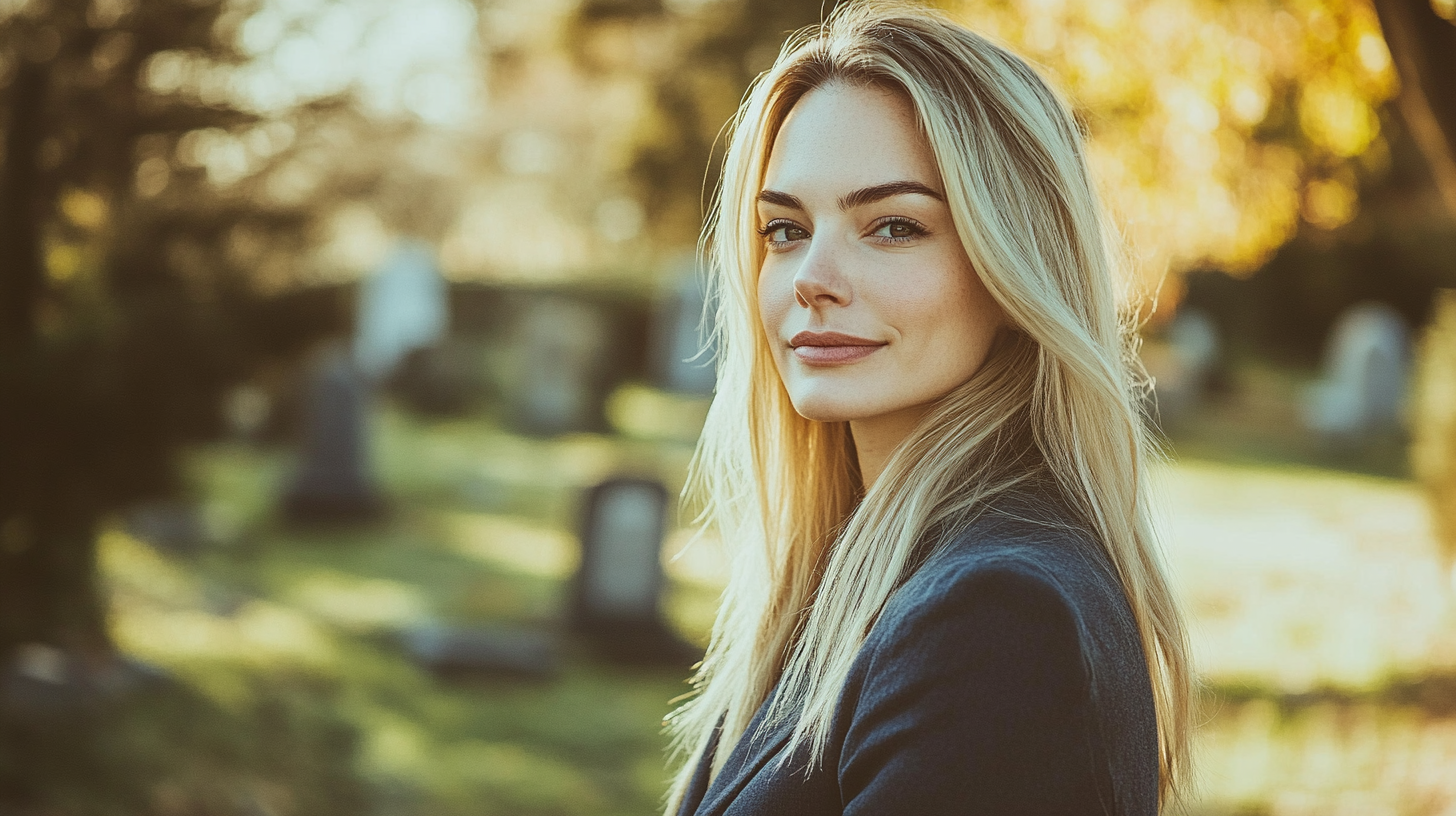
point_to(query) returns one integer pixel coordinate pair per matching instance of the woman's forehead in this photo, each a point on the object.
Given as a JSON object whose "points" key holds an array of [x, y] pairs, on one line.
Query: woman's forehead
{"points": [[841, 137]]}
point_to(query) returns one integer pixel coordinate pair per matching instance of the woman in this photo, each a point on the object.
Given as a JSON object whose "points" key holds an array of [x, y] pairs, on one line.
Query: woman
{"points": [[925, 453]]}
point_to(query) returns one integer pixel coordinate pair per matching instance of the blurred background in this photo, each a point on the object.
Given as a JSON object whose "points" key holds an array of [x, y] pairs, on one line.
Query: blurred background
{"points": [[349, 374]]}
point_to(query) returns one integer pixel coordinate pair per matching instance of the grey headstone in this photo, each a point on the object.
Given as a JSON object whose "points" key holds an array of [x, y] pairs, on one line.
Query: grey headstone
{"points": [[1366, 370], [617, 599], [333, 481], [170, 526], [626, 535], [560, 342], [402, 307], [1195, 340], [1182, 372]]}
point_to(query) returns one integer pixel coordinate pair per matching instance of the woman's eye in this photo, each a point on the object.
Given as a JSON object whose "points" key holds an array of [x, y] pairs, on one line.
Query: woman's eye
{"points": [[898, 229], [780, 232]]}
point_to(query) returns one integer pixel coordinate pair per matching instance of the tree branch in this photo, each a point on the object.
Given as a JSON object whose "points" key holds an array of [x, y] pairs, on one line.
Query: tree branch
{"points": [[1423, 46]]}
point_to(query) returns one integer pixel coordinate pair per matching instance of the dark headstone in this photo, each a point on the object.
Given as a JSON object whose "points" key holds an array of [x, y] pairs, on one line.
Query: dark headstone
{"points": [[43, 683], [333, 481], [443, 380], [169, 526], [617, 592], [460, 652]]}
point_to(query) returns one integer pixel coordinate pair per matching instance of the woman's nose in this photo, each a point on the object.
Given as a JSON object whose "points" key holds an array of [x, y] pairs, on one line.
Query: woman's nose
{"points": [[820, 279]]}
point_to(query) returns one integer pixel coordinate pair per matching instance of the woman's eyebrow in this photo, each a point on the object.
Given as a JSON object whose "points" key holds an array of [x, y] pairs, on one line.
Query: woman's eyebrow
{"points": [[858, 198], [869, 195], [781, 199]]}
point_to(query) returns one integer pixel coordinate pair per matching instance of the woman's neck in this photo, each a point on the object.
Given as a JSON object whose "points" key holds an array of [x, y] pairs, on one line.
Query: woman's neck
{"points": [[876, 437]]}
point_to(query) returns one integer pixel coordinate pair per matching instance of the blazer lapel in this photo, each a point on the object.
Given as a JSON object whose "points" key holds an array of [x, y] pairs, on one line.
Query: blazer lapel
{"points": [[757, 746], [698, 787]]}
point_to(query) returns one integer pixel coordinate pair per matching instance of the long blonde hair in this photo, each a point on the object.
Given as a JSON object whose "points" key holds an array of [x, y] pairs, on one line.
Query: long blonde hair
{"points": [[815, 556]]}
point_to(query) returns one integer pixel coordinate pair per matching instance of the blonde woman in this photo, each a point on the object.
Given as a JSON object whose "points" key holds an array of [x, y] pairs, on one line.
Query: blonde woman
{"points": [[924, 454]]}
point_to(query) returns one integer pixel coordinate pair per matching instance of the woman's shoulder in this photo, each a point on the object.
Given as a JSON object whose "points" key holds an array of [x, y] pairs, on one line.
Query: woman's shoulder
{"points": [[1011, 651], [1023, 552]]}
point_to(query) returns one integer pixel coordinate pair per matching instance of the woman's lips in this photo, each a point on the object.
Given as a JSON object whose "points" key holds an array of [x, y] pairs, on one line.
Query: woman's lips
{"points": [[831, 348], [833, 355]]}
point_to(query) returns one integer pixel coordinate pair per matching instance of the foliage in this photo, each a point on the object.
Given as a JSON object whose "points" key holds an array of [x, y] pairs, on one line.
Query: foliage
{"points": [[172, 750], [1433, 418], [143, 245], [1390, 254], [1243, 118], [1423, 47]]}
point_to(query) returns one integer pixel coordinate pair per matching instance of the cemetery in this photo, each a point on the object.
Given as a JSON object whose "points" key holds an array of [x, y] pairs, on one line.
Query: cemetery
{"points": [[353, 358], [486, 609], [446, 658], [487, 612]]}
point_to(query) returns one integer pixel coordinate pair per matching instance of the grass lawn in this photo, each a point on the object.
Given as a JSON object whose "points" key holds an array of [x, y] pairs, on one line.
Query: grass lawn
{"points": [[272, 623], [1322, 622], [1320, 616]]}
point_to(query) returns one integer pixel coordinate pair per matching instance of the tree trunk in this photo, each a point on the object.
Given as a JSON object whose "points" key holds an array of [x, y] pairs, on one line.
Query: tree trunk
{"points": [[22, 268], [1423, 46], [48, 587], [49, 592]]}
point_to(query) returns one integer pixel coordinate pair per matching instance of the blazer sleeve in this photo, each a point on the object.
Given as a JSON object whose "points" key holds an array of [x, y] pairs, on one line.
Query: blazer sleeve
{"points": [[976, 702]]}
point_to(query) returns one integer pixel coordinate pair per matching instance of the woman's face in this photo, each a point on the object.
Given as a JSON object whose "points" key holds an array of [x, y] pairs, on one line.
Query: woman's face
{"points": [[866, 294]]}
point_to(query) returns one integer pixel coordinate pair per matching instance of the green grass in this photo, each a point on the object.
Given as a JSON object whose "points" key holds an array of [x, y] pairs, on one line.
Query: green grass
{"points": [[1312, 591], [289, 693], [1255, 420]]}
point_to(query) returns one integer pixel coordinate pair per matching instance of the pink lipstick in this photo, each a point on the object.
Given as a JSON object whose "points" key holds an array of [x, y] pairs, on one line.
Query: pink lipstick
{"points": [[831, 348]]}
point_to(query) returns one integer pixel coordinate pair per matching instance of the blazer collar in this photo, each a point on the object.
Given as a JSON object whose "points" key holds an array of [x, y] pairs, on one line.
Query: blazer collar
{"points": [[754, 750]]}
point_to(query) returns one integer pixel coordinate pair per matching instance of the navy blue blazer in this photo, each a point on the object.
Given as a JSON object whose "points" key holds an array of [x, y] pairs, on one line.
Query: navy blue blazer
{"points": [[1006, 677]]}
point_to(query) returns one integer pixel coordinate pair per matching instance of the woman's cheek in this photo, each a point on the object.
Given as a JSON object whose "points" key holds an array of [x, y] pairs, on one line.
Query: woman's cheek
{"points": [[775, 295]]}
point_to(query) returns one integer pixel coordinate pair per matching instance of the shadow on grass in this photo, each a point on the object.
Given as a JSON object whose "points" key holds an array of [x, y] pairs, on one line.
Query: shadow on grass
{"points": [[1433, 694], [291, 693], [168, 749]]}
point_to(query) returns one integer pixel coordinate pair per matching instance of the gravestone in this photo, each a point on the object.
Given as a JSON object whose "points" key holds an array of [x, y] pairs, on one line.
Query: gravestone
{"points": [[333, 482], [42, 685], [444, 380], [1365, 374], [1183, 365], [1195, 340], [247, 409], [616, 598], [683, 343], [464, 652], [402, 307], [560, 342], [175, 527]]}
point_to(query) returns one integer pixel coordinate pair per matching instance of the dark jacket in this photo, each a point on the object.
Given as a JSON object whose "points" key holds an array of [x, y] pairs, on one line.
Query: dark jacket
{"points": [[1005, 678]]}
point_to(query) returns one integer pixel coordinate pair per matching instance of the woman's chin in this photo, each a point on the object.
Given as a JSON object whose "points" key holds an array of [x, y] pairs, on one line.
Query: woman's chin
{"points": [[823, 408]]}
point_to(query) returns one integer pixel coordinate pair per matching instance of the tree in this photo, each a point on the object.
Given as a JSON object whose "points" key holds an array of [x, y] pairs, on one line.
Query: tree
{"points": [[719, 50], [1423, 45], [1422, 41], [142, 243]]}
